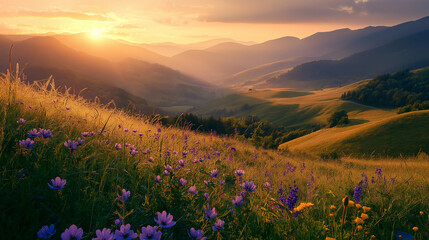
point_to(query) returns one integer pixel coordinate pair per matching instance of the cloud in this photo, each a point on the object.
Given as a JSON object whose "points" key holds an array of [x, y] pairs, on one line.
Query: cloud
{"points": [[172, 21], [299, 11], [56, 14], [128, 26]]}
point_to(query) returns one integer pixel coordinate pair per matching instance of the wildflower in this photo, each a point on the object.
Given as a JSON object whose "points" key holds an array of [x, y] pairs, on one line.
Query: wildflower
{"points": [[357, 192], [206, 196], [193, 190], [239, 172], [359, 220], [134, 151], [364, 216], [183, 182], [331, 215], [210, 214], [358, 206], [149, 233], [267, 185], [33, 133], [238, 201], [103, 234], [366, 209], [214, 173], [206, 183], [218, 226], [196, 234], [125, 233], [46, 232], [303, 206], [248, 186], [21, 121], [71, 144], [292, 198], [28, 143], [68, 108], [421, 212], [182, 162], [58, 183], [415, 229], [118, 222], [164, 220], [329, 238], [118, 146], [126, 129], [72, 233], [166, 172], [168, 168], [80, 141], [359, 227], [125, 195], [221, 182], [150, 159], [158, 179], [333, 208], [119, 125]]}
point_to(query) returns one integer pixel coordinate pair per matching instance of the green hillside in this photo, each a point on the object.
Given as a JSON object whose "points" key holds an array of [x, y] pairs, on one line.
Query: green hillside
{"points": [[394, 136]]}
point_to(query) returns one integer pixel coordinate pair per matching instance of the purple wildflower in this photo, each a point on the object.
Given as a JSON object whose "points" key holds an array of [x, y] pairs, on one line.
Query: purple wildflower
{"points": [[182, 162], [218, 226], [58, 183], [206, 196], [206, 183], [150, 159], [141, 135], [118, 146], [125, 233], [71, 144], [166, 172], [80, 141], [183, 182], [238, 201], [134, 130], [158, 179], [292, 198], [268, 185], [103, 234], [46, 232], [193, 190], [357, 192], [168, 168], [210, 213], [68, 108], [248, 186], [134, 151], [165, 220], [118, 222], [221, 182], [126, 129], [239, 172], [214, 173], [149, 233], [33, 133], [46, 133], [72, 233], [125, 195], [196, 234], [27, 143], [21, 121]]}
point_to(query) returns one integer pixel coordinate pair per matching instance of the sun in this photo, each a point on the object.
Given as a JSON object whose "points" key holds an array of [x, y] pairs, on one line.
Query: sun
{"points": [[96, 33]]}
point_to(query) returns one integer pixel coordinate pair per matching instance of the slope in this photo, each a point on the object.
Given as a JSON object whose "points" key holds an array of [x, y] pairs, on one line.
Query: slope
{"points": [[394, 136], [409, 52]]}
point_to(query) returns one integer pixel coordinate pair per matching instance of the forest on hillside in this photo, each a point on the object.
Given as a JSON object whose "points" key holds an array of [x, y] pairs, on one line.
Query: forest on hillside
{"points": [[406, 90]]}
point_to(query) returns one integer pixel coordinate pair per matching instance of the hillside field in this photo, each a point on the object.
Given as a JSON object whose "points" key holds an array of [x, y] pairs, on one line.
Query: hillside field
{"points": [[276, 196]]}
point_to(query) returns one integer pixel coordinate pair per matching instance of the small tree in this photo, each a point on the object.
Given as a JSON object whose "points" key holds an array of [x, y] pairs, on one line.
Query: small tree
{"points": [[338, 118]]}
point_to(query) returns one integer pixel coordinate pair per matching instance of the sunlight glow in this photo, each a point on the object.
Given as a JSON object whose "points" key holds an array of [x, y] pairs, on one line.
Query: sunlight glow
{"points": [[96, 33]]}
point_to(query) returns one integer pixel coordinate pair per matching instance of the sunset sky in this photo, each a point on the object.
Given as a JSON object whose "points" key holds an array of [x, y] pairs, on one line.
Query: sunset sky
{"points": [[185, 21]]}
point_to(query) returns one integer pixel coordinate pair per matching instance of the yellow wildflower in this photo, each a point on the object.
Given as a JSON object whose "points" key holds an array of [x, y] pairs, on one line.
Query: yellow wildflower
{"points": [[333, 208], [351, 203], [364, 216], [358, 206], [359, 227], [421, 212], [415, 229], [329, 238], [331, 215], [366, 209], [303, 206], [359, 220], [373, 237]]}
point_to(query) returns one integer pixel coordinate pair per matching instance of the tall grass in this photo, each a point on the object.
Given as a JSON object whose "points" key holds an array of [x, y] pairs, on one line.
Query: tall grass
{"points": [[96, 172]]}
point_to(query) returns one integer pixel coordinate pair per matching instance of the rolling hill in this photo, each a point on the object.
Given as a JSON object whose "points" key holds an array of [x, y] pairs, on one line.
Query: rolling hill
{"points": [[393, 136], [409, 52], [159, 85]]}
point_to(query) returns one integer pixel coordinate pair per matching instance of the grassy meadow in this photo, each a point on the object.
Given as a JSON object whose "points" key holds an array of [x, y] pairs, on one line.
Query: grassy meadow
{"points": [[389, 194]]}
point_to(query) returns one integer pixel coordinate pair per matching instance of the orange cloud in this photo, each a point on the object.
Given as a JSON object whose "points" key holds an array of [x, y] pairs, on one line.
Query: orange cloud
{"points": [[56, 14]]}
